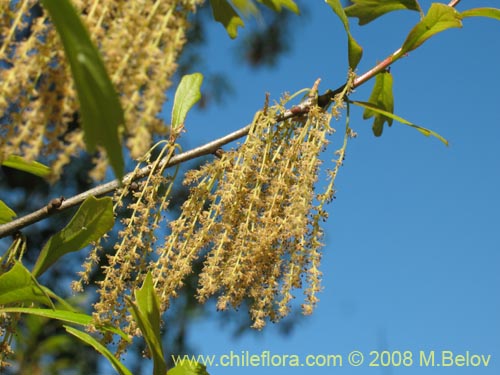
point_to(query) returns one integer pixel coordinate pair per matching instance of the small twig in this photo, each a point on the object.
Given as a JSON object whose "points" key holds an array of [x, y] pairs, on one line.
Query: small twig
{"points": [[210, 148]]}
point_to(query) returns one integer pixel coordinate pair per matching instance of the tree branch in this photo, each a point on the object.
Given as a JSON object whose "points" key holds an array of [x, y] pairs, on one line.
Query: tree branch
{"points": [[61, 204]]}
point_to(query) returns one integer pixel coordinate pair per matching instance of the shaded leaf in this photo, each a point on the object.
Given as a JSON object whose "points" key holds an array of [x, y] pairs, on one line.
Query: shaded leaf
{"points": [[439, 18], [146, 312], [381, 97], [354, 50], [102, 114], [65, 316], [19, 285], [424, 131], [186, 367], [33, 167], [482, 12], [225, 14], [369, 10], [277, 5], [187, 94], [92, 220], [6, 213], [86, 338]]}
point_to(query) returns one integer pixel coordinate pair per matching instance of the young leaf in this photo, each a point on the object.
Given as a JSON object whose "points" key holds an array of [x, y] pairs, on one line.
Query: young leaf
{"points": [[102, 114], [33, 167], [225, 14], [86, 338], [92, 220], [146, 312], [6, 213], [482, 12], [381, 97], [354, 50], [186, 367], [187, 94], [64, 316], [18, 285], [369, 10], [424, 131], [276, 5], [440, 17]]}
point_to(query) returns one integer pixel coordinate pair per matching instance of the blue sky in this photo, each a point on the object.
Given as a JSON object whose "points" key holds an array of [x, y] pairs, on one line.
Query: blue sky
{"points": [[412, 255]]}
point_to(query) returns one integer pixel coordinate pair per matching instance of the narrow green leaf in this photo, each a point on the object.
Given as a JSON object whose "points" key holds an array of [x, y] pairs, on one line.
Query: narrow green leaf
{"points": [[482, 12], [102, 114], [6, 213], [354, 50], [19, 285], [86, 338], [186, 367], [369, 10], [277, 5], [33, 167], [187, 94], [381, 97], [146, 312], [64, 316], [440, 17], [424, 131], [225, 14], [92, 220]]}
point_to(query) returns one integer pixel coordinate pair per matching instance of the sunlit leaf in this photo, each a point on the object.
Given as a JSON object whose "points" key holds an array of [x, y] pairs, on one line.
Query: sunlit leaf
{"points": [[146, 312], [246, 7], [424, 131], [6, 213], [369, 10], [353, 48], [187, 94], [102, 114], [482, 12], [277, 5], [92, 220], [439, 18], [65, 316], [225, 14], [18, 285], [381, 97], [33, 167], [186, 367], [86, 338]]}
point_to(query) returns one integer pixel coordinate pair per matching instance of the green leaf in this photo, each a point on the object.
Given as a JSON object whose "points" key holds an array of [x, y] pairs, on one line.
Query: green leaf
{"points": [[247, 7], [381, 97], [277, 5], [369, 10], [92, 220], [65, 316], [146, 312], [86, 338], [355, 51], [6, 213], [33, 167], [440, 17], [482, 12], [187, 94], [225, 14], [424, 131], [102, 114], [186, 367], [19, 285]]}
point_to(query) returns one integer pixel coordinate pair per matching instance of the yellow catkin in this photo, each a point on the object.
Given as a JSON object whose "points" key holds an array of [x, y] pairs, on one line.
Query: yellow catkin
{"points": [[139, 41]]}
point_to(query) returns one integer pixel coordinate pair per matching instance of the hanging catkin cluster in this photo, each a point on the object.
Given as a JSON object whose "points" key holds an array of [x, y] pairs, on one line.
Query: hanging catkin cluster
{"points": [[140, 42], [255, 216], [252, 216]]}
